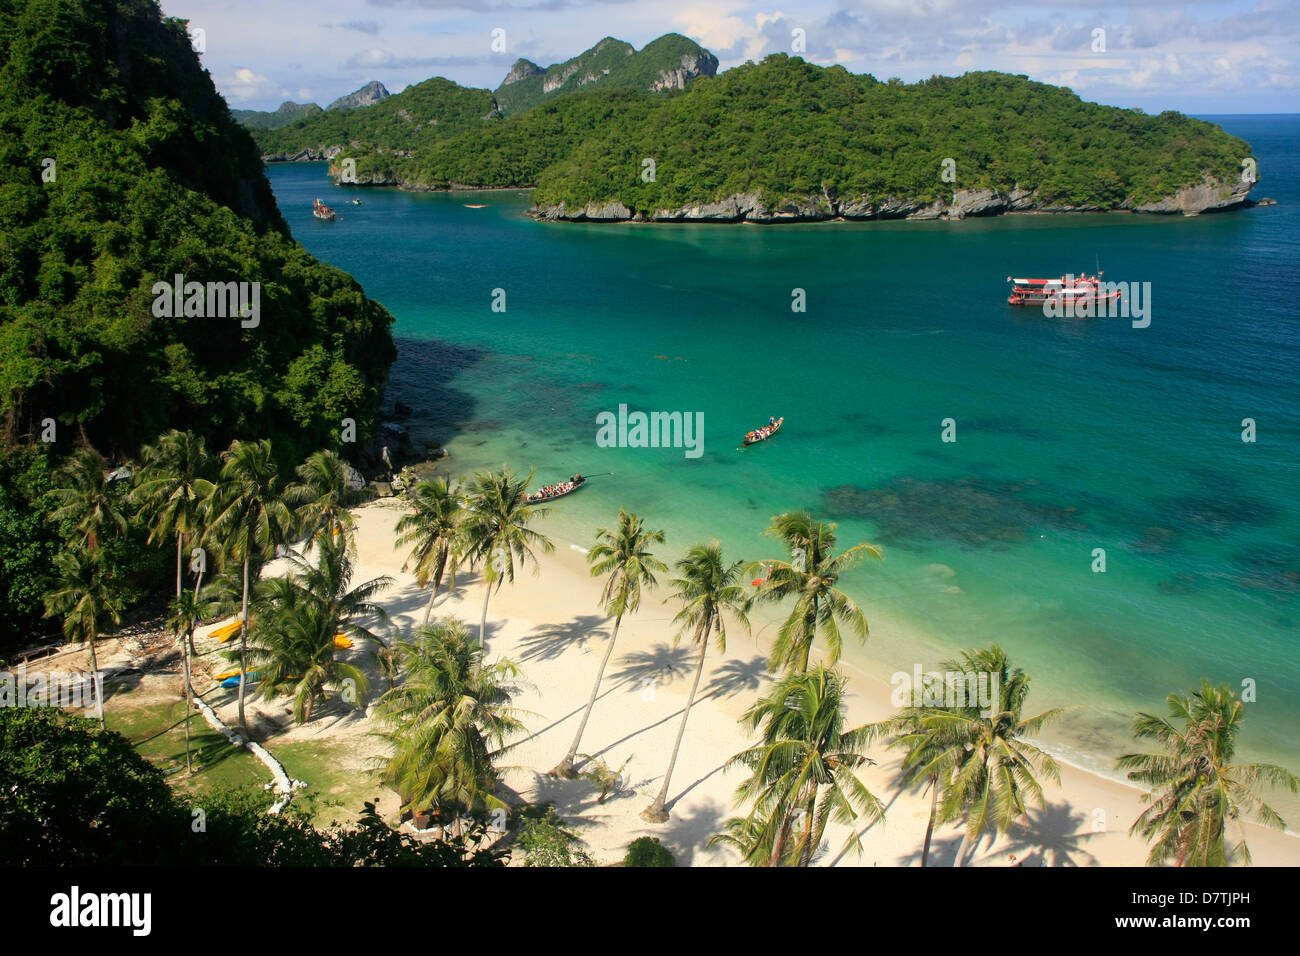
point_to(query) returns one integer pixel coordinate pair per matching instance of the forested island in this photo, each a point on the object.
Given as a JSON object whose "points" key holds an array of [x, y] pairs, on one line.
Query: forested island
{"points": [[121, 168], [779, 140]]}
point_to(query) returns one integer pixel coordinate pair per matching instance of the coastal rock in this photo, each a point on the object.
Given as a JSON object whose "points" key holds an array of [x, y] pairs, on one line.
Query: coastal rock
{"points": [[933, 211], [1208, 195], [976, 202], [368, 95]]}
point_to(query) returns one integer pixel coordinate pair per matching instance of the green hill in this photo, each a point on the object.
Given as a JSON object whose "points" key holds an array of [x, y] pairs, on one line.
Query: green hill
{"points": [[669, 62], [287, 113], [120, 168]]}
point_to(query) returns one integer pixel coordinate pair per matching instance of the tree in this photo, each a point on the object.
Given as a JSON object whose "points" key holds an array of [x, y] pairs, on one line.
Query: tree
{"points": [[497, 533], [183, 614], [995, 770], [434, 528], [248, 516], [624, 556], [322, 496], [802, 772], [647, 851], [810, 578], [170, 488], [444, 719], [708, 590], [84, 500], [930, 754], [82, 596], [1196, 788]]}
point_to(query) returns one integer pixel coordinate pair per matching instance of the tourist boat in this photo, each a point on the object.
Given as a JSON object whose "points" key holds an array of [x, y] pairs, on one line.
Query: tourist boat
{"points": [[561, 489], [764, 433], [322, 211], [1067, 290], [356, 202], [470, 205]]}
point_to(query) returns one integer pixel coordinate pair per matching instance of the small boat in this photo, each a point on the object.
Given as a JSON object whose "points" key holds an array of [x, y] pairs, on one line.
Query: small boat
{"points": [[226, 632], [356, 202], [322, 211], [1069, 291], [559, 490], [764, 433], [470, 205], [233, 681]]}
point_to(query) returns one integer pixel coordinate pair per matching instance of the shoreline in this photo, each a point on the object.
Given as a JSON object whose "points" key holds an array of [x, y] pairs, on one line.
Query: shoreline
{"points": [[548, 624]]}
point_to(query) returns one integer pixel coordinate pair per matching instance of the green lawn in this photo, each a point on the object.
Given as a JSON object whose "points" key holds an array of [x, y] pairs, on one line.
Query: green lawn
{"points": [[335, 789]]}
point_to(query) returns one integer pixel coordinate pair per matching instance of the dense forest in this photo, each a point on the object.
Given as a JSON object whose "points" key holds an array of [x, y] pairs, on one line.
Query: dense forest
{"points": [[120, 168], [786, 129]]}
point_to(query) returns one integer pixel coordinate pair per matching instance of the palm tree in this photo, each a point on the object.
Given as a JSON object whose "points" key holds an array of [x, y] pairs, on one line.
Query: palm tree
{"points": [[624, 555], [810, 578], [321, 497], [248, 516], [497, 533], [170, 489], [329, 583], [82, 597], [994, 772], [1197, 788], [84, 499], [929, 758], [434, 528], [184, 614], [708, 589], [802, 773], [444, 718]]}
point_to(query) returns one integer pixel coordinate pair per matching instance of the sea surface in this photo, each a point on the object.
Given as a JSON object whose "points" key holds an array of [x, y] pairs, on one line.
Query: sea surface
{"points": [[1072, 435]]}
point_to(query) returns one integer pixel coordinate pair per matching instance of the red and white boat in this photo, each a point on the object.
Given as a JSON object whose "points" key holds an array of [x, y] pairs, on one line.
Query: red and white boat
{"points": [[322, 211], [1066, 291]]}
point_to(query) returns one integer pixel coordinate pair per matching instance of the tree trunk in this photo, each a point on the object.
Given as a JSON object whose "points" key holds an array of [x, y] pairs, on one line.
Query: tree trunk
{"points": [[929, 827], [812, 634], [961, 850], [243, 652], [99, 686], [482, 623], [180, 538], [656, 813], [189, 698], [565, 768], [437, 583]]}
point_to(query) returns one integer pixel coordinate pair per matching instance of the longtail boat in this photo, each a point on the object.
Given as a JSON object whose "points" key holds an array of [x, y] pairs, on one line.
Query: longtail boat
{"points": [[559, 490], [322, 211], [764, 433]]}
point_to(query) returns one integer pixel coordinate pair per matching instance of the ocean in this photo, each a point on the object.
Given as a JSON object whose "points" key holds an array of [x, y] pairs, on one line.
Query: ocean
{"points": [[1072, 434]]}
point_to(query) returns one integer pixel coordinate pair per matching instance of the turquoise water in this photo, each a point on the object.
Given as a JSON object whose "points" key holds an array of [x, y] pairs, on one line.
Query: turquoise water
{"points": [[1072, 434]]}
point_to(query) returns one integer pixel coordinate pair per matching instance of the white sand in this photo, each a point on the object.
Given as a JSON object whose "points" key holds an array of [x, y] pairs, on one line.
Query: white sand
{"points": [[552, 627]]}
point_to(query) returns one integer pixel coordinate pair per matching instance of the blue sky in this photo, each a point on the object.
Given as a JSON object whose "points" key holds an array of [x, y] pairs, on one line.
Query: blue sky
{"points": [[1196, 57]]}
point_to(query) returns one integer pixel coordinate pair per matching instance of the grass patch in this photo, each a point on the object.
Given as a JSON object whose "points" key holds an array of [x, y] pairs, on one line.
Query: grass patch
{"points": [[336, 787]]}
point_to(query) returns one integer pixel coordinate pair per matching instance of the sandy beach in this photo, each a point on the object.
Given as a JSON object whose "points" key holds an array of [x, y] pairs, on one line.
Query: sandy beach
{"points": [[551, 626]]}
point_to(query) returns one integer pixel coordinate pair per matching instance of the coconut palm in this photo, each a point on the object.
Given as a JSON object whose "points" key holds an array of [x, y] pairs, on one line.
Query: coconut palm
{"points": [[434, 528], [322, 496], [183, 615], [497, 533], [708, 589], [328, 580], [930, 754], [83, 597], [84, 499], [994, 774], [1196, 788], [624, 556], [170, 489], [802, 772], [444, 719], [248, 517], [810, 578]]}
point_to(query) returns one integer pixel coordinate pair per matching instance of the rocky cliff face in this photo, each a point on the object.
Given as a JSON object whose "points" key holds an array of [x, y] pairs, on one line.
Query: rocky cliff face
{"points": [[1209, 195], [368, 95], [693, 65], [521, 70]]}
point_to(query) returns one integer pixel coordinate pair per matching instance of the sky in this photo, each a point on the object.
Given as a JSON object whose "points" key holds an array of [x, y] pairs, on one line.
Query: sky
{"points": [[1195, 57]]}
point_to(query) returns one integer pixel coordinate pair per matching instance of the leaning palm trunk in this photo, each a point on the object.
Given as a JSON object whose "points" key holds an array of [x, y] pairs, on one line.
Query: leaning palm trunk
{"points": [[94, 676], [482, 621], [929, 827], [180, 550], [189, 698], [961, 850], [656, 812], [243, 651], [565, 768], [437, 583]]}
